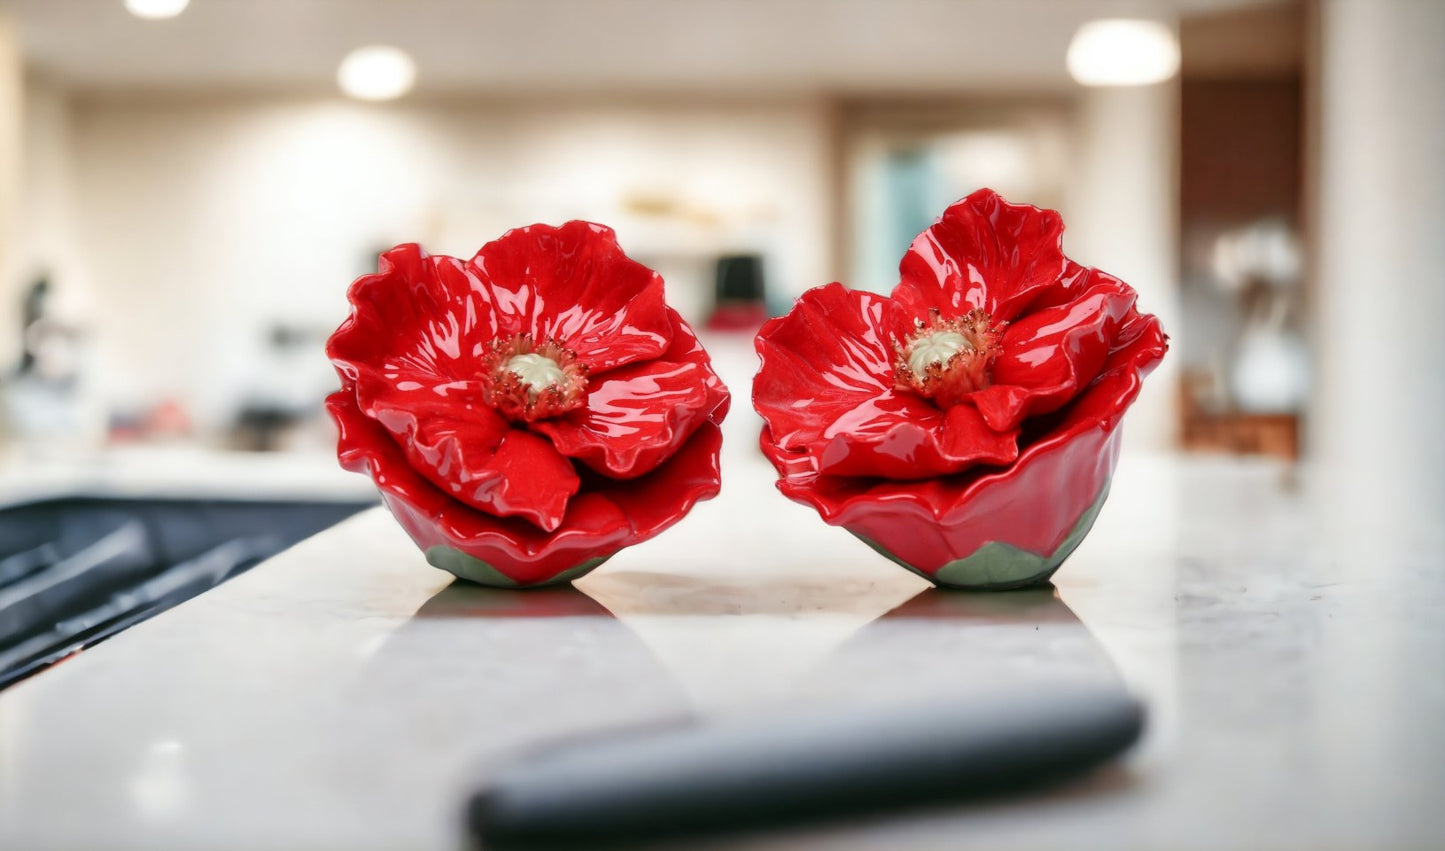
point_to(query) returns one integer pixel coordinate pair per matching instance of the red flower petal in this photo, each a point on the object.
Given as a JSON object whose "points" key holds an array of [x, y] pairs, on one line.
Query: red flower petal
{"points": [[597, 523], [930, 523], [637, 416], [686, 348], [574, 284], [1049, 355], [1002, 406], [1069, 363], [1071, 449], [983, 253], [826, 390], [418, 313], [880, 439], [659, 499], [1140, 346], [414, 343], [450, 435], [527, 478], [439, 314]]}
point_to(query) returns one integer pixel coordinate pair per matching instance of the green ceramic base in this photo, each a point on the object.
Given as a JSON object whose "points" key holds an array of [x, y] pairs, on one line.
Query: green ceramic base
{"points": [[997, 566], [475, 570]]}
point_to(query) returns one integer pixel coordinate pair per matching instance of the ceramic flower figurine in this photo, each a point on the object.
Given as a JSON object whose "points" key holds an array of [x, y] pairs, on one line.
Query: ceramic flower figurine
{"points": [[966, 426], [531, 411]]}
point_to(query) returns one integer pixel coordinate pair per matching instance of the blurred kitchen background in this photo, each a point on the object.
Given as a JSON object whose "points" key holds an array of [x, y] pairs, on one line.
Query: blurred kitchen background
{"points": [[186, 189]]}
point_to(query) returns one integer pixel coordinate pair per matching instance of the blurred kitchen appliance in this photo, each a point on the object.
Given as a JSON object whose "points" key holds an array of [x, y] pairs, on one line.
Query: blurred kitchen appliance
{"points": [[739, 293]]}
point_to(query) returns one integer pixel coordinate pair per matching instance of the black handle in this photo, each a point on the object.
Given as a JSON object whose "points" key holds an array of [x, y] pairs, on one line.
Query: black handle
{"points": [[705, 778]]}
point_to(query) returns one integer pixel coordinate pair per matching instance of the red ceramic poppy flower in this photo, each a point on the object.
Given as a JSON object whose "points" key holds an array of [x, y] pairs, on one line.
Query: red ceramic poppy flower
{"points": [[531, 411], [965, 426]]}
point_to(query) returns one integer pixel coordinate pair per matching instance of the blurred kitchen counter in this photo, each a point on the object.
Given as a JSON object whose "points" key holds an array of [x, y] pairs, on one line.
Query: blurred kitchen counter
{"points": [[174, 472], [346, 695]]}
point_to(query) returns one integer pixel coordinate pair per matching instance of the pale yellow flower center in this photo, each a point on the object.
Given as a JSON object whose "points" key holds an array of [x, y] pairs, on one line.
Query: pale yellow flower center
{"points": [[938, 347], [537, 372]]}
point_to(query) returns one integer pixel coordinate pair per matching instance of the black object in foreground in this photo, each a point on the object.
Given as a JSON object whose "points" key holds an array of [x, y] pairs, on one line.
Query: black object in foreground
{"points": [[76, 570], [769, 771]]}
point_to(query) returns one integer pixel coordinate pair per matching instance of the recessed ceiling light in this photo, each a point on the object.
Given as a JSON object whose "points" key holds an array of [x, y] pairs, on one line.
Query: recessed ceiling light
{"points": [[377, 72], [1122, 52], [155, 10]]}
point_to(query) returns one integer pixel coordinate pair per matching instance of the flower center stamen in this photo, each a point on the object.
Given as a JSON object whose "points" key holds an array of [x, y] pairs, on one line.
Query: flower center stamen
{"points": [[938, 347], [946, 359], [537, 372], [525, 381]]}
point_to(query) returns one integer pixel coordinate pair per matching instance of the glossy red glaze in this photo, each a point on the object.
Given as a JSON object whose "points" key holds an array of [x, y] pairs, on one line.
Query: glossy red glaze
{"points": [[530, 498], [1016, 462]]}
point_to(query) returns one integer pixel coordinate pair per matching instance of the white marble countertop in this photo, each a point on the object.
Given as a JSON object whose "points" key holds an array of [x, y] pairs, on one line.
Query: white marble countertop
{"points": [[345, 695], [28, 474]]}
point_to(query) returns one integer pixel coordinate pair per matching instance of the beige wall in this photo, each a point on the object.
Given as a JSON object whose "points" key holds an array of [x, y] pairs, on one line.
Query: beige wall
{"points": [[203, 221], [44, 227], [11, 122], [1123, 218], [178, 229], [1380, 396]]}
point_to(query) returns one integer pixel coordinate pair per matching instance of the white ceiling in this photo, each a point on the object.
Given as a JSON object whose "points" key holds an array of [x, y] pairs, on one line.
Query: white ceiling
{"points": [[512, 46]]}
